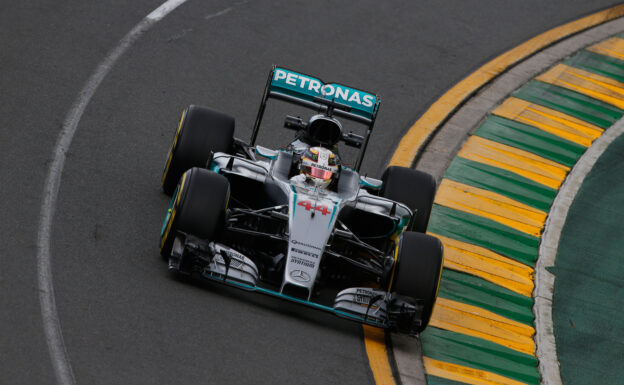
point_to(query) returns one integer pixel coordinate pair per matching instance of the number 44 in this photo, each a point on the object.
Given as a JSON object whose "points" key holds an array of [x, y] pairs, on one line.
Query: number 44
{"points": [[308, 206]]}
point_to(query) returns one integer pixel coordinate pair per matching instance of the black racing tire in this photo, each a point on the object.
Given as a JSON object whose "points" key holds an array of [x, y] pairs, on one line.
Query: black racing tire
{"points": [[418, 270], [197, 207], [200, 132], [414, 188]]}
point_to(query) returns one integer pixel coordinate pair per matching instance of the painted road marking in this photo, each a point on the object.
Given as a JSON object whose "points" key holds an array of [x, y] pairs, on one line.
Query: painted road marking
{"points": [[490, 205], [49, 314], [478, 322], [465, 374], [595, 86], [486, 264], [613, 47], [551, 121], [441, 109], [509, 158], [375, 342]]}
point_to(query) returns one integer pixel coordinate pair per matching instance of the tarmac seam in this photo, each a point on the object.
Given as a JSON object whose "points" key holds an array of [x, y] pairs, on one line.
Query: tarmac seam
{"points": [[544, 280]]}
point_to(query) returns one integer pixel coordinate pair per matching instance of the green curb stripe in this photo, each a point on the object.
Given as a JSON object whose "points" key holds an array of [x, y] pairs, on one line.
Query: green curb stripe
{"points": [[531, 139], [569, 102], [502, 182], [599, 64], [475, 291], [477, 353], [484, 232], [433, 380]]}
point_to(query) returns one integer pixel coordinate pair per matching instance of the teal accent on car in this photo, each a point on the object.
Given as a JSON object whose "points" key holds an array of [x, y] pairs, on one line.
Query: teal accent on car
{"points": [[333, 213], [315, 305], [402, 225], [364, 181], [214, 167], [307, 88]]}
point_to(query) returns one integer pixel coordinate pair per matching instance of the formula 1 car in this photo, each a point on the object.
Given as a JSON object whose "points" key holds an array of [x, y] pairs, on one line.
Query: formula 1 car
{"points": [[297, 223]]}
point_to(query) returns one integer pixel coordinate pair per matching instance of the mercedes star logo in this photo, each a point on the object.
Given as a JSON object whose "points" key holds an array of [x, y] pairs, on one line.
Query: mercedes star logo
{"points": [[299, 275]]}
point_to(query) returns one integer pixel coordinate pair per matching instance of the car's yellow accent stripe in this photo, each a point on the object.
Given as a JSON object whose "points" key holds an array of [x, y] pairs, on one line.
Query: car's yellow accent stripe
{"points": [[375, 341], [491, 205], [613, 47], [465, 374], [551, 121], [396, 240], [593, 85], [173, 147], [442, 108], [488, 265], [477, 322], [521, 162], [173, 211]]}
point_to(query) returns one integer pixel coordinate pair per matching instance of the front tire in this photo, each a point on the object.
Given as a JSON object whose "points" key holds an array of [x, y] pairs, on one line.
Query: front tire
{"points": [[197, 207], [418, 271], [414, 188], [200, 132]]}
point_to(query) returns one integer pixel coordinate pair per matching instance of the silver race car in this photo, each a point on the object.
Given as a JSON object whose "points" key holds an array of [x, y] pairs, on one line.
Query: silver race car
{"points": [[297, 223]]}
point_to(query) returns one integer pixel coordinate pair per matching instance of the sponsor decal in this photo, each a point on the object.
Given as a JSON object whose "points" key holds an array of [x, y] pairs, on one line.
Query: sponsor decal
{"points": [[300, 275], [309, 87], [234, 261], [296, 242], [303, 252], [301, 262]]}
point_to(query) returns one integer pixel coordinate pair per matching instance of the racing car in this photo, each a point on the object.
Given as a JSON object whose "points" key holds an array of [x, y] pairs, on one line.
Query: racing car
{"points": [[297, 222]]}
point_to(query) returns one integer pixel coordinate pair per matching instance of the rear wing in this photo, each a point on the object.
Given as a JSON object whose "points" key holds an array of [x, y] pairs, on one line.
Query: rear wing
{"points": [[308, 91]]}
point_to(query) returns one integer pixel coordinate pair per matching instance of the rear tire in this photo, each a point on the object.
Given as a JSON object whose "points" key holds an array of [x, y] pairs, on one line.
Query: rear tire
{"points": [[200, 132], [418, 271], [414, 188], [197, 208]]}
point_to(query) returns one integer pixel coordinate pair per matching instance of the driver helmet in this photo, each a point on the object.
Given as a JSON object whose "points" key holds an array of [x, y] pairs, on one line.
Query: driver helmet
{"points": [[320, 166]]}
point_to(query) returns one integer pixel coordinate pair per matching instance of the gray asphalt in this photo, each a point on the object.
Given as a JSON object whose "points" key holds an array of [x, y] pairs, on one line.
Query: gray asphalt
{"points": [[124, 320]]}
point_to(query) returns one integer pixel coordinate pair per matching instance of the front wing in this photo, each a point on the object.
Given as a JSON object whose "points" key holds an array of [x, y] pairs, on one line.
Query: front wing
{"points": [[219, 263]]}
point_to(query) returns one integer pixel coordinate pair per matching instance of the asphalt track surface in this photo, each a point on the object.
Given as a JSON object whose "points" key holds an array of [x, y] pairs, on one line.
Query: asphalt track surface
{"points": [[124, 320]]}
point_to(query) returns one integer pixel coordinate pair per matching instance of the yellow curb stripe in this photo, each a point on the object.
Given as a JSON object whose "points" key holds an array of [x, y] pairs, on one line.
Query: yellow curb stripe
{"points": [[465, 374], [548, 120], [596, 86], [613, 47], [477, 322], [518, 161], [491, 205], [486, 264], [435, 115], [374, 339], [441, 109]]}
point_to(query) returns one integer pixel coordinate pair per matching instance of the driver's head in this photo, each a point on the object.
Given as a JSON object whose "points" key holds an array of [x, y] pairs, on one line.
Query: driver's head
{"points": [[320, 166]]}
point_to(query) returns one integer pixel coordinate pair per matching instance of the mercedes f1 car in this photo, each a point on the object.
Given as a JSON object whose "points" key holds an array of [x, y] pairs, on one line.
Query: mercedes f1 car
{"points": [[296, 222]]}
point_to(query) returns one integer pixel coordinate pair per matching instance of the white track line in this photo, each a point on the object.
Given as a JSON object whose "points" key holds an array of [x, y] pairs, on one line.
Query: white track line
{"points": [[544, 280], [51, 325]]}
